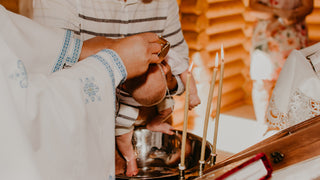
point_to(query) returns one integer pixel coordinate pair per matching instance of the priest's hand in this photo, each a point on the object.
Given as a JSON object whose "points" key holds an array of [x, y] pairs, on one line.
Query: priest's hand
{"points": [[136, 52]]}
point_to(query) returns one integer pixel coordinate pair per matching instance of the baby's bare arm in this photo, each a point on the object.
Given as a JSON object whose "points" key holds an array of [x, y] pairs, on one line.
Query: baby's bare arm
{"points": [[194, 99]]}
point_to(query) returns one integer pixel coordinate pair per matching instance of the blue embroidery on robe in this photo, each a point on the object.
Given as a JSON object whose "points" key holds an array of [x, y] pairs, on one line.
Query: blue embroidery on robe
{"points": [[111, 177], [119, 66], [91, 89], [118, 63], [76, 53], [61, 59], [20, 75], [110, 71]]}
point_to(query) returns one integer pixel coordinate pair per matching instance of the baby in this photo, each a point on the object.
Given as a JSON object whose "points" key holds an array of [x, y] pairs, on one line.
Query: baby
{"points": [[139, 88]]}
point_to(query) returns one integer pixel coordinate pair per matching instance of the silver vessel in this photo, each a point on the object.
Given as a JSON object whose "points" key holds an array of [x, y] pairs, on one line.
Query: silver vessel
{"points": [[158, 154]]}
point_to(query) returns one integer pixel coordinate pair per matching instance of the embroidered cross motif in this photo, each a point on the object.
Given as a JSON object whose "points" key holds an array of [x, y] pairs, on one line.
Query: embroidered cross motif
{"points": [[90, 89], [20, 75]]}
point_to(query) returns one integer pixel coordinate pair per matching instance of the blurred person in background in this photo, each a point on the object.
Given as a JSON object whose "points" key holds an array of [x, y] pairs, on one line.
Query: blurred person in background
{"points": [[280, 28]]}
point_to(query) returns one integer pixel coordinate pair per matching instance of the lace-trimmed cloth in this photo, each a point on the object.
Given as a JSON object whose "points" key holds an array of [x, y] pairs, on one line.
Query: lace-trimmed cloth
{"points": [[296, 96], [301, 107]]}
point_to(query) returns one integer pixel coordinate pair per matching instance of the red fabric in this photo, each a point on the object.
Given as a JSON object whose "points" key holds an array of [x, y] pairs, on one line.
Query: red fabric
{"points": [[259, 156]]}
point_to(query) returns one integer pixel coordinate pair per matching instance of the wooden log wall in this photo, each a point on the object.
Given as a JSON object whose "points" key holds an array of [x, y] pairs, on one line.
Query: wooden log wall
{"points": [[209, 23], [313, 21], [206, 25]]}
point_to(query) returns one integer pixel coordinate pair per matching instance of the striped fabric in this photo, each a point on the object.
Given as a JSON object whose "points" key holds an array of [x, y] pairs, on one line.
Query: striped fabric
{"points": [[116, 19]]}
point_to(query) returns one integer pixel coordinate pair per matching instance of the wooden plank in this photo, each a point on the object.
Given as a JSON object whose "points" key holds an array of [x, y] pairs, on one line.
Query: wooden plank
{"points": [[228, 39], [313, 31], [297, 143], [314, 17], [225, 9], [233, 53], [225, 24], [194, 6], [247, 45], [228, 99], [249, 16], [233, 68], [231, 106], [229, 85], [196, 40], [193, 22]]}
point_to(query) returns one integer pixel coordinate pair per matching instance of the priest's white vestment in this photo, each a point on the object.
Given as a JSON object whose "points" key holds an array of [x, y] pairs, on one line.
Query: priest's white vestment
{"points": [[55, 123]]}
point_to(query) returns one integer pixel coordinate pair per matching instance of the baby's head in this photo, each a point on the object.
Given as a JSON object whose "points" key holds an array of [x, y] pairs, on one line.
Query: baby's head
{"points": [[150, 88]]}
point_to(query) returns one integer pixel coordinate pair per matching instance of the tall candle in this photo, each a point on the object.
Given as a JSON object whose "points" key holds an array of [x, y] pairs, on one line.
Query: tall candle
{"points": [[209, 101], [218, 103], [185, 121]]}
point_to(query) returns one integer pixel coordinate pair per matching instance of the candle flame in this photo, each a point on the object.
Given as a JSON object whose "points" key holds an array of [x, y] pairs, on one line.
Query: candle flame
{"points": [[222, 52], [217, 59], [190, 67]]}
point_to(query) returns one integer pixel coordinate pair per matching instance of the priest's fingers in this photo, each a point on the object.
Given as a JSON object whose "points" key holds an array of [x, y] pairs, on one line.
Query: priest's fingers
{"points": [[165, 66], [151, 37], [154, 47], [154, 59]]}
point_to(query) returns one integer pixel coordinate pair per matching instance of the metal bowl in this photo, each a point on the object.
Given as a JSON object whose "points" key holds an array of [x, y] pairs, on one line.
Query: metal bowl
{"points": [[158, 154]]}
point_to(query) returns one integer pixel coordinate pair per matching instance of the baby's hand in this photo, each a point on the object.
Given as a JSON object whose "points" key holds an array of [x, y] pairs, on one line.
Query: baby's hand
{"points": [[194, 101]]}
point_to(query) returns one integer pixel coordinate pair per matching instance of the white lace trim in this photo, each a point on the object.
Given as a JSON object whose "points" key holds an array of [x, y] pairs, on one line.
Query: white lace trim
{"points": [[300, 108]]}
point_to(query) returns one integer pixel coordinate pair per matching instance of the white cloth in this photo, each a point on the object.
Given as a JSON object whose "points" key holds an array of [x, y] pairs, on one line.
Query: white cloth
{"points": [[30, 41], [177, 64], [313, 54], [59, 125], [296, 96], [261, 66], [306, 170]]}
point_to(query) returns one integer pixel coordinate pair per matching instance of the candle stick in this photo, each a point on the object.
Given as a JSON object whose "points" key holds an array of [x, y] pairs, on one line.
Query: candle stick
{"points": [[214, 150], [185, 121], [205, 126]]}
